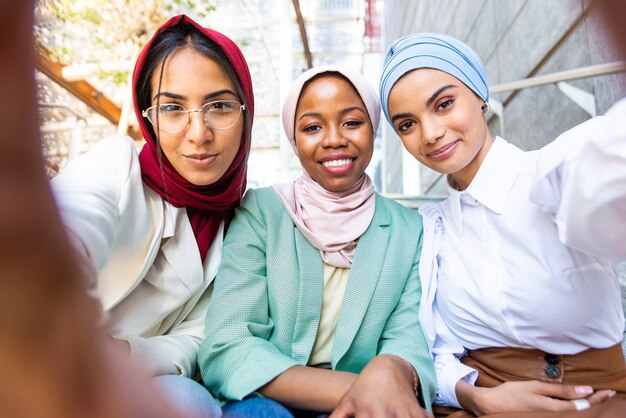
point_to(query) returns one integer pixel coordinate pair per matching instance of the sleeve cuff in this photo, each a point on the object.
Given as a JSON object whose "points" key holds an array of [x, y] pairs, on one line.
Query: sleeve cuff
{"points": [[150, 357], [449, 371]]}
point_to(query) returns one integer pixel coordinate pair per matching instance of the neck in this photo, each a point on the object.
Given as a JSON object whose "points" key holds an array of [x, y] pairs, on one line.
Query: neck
{"points": [[464, 177]]}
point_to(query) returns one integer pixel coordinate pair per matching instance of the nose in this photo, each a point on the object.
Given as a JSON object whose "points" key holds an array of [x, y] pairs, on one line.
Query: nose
{"points": [[334, 138], [198, 131], [432, 130]]}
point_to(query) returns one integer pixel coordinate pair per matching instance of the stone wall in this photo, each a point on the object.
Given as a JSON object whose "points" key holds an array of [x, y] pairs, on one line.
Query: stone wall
{"points": [[517, 39]]}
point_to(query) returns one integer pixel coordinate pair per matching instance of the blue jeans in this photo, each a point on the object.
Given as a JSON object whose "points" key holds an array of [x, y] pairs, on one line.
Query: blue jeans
{"points": [[187, 397], [255, 408]]}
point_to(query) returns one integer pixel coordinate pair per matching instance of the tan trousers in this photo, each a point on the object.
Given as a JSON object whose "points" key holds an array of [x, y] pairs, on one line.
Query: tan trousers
{"points": [[600, 368]]}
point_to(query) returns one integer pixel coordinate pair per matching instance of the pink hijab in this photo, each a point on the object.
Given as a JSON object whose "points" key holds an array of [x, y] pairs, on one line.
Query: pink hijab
{"points": [[331, 222]]}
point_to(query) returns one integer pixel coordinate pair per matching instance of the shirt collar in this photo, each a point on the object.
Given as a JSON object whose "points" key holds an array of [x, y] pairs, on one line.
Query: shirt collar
{"points": [[493, 181]]}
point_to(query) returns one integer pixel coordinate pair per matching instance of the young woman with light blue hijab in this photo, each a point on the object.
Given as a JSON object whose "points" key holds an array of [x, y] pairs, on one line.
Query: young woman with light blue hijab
{"points": [[515, 319]]}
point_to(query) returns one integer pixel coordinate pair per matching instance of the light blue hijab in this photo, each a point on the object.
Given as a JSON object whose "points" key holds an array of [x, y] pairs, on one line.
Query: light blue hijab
{"points": [[432, 50]]}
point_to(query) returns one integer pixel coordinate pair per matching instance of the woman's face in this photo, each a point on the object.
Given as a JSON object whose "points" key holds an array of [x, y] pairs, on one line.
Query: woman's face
{"points": [[199, 153], [440, 122], [333, 133]]}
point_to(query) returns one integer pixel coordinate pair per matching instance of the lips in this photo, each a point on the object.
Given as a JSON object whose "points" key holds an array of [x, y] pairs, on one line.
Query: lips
{"points": [[337, 163], [201, 160], [443, 151]]}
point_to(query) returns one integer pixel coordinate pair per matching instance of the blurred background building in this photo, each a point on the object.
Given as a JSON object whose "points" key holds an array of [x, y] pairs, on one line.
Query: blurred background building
{"points": [[549, 66]]}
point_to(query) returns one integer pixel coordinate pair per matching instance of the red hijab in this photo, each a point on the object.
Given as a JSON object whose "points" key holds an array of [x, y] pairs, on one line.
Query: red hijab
{"points": [[207, 206]]}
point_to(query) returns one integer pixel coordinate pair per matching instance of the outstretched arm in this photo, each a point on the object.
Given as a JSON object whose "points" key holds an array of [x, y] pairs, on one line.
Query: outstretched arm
{"points": [[51, 347]]}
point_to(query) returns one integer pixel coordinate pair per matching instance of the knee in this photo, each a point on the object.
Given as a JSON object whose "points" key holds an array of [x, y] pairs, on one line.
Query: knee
{"points": [[256, 408], [187, 397]]}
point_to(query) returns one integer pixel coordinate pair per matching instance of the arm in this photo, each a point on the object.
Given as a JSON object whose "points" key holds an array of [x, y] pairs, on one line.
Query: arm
{"points": [[309, 388], [525, 396], [591, 216], [88, 195], [580, 180], [177, 351]]}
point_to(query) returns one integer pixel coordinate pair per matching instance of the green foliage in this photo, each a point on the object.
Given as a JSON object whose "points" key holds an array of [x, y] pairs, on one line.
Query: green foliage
{"points": [[91, 31]]}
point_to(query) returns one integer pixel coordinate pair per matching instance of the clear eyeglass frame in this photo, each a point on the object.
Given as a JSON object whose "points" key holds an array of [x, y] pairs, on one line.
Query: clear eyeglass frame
{"points": [[150, 115]]}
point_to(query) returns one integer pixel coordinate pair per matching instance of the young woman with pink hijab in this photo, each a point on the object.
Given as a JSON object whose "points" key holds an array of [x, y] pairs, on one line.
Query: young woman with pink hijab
{"points": [[316, 301]]}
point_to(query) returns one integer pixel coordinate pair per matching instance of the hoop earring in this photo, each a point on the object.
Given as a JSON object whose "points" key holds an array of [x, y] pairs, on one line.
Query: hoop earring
{"points": [[485, 107]]}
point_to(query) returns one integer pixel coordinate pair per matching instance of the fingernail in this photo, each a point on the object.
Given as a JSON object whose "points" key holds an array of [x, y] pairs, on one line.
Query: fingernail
{"points": [[583, 390], [612, 393]]}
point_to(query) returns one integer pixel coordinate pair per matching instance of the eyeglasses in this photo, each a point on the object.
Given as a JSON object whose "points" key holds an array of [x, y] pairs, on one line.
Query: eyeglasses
{"points": [[173, 118]]}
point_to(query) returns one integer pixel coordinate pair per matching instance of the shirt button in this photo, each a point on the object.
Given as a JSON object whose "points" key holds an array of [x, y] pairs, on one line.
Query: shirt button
{"points": [[552, 358], [552, 371]]}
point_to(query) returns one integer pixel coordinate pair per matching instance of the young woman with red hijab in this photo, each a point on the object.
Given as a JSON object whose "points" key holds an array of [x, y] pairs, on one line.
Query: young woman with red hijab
{"points": [[151, 224]]}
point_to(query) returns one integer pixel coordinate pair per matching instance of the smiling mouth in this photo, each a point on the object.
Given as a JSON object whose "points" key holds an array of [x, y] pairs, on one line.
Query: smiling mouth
{"points": [[338, 163], [444, 151]]}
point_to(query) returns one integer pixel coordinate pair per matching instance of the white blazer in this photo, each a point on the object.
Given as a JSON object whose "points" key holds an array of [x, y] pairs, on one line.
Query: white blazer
{"points": [[150, 278]]}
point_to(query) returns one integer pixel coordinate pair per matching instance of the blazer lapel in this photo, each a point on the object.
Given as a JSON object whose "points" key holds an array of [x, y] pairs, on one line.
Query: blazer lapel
{"points": [[123, 272], [181, 251], [310, 298], [362, 280]]}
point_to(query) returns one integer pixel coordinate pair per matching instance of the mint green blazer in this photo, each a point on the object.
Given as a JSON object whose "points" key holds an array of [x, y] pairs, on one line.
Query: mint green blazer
{"points": [[267, 297]]}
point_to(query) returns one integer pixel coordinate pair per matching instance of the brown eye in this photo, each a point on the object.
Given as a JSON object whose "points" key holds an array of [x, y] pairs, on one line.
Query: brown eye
{"points": [[405, 126], [445, 105], [311, 129]]}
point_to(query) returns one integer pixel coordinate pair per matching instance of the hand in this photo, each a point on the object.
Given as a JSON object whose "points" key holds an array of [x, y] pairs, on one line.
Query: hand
{"points": [[383, 389], [120, 346], [526, 396]]}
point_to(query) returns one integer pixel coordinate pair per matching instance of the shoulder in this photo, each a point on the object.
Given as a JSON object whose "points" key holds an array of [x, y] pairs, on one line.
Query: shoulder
{"points": [[260, 206], [263, 200], [400, 216], [119, 148], [108, 169], [113, 158], [432, 218]]}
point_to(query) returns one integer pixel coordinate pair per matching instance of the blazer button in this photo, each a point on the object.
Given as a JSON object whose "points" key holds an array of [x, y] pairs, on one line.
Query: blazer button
{"points": [[552, 371]]}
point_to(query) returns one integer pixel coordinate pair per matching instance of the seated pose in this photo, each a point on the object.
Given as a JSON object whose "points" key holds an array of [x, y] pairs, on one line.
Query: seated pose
{"points": [[152, 224], [516, 320], [316, 302]]}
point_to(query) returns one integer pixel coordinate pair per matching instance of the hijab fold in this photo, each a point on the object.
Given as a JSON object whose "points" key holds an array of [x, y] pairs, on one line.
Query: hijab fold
{"points": [[432, 50], [207, 206]]}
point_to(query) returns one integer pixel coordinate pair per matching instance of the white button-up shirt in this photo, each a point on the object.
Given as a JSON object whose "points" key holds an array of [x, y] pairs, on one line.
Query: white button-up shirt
{"points": [[495, 274]]}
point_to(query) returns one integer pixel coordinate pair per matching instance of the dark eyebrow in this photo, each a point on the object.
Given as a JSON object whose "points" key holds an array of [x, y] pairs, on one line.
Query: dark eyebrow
{"points": [[437, 93], [343, 112], [314, 114], [400, 116], [351, 108], [430, 101], [207, 97]]}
